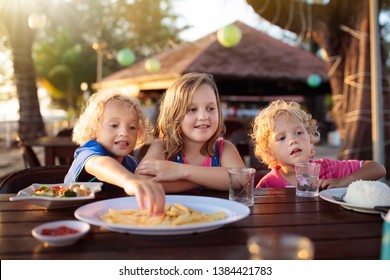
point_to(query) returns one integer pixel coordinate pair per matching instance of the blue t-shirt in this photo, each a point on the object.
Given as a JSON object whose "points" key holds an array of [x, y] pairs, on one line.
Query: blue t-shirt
{"points": [[77, 172]]}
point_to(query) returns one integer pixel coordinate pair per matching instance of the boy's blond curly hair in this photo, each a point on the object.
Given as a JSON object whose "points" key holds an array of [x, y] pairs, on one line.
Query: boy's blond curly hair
{"points": [[92, 114], [264, 125], [174, 106]]}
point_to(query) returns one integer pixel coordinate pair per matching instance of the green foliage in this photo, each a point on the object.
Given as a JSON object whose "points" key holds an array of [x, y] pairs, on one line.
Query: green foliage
{"points": [[60, 67], [63, 53]]}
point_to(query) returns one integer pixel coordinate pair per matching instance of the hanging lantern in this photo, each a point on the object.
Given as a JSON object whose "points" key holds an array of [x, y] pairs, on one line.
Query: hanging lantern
{"points": [[152, 65], [314, 80], [125, 57], [323, 54], [229, 36]]}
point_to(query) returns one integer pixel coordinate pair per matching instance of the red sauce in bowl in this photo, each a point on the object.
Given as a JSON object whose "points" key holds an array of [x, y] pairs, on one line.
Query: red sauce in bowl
{"points": [[62, 230]]}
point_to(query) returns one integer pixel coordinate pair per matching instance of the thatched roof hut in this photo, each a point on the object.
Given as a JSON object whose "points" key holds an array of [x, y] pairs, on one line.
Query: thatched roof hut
{"points": [[257, 60], [258, 69]]}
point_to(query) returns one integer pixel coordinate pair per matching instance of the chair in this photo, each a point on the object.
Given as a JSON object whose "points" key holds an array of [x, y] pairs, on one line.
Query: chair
{"points": [[40, 174], [66, 132], [141, 152], [260, 173], [30, 158]]}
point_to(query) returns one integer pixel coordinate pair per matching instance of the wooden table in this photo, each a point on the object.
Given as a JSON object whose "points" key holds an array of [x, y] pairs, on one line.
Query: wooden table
{"points": [[337, 233], [54, 147]]}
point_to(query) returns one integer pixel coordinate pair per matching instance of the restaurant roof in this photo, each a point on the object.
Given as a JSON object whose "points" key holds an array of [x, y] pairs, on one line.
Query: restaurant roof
{"points": [[257, 57]]}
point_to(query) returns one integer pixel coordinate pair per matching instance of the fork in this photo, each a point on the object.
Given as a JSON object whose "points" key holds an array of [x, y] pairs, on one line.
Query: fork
{"points": [[339, 198]]}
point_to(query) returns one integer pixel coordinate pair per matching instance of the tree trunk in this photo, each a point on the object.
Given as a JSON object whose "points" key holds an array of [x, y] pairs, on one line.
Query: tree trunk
{"points": [[341, 28], [15, 18]]}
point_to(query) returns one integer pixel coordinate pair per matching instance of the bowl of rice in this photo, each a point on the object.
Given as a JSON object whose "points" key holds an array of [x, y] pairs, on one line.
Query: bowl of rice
{"points": [[368, 194]]}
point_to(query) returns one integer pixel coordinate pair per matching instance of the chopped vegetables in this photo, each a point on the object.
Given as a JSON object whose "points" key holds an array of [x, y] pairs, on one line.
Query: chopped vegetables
{"points": [[61, 191]]}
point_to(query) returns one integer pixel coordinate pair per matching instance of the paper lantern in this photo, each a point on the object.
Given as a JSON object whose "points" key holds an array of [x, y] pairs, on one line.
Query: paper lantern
{"points": [[152, 65], [323, 54], [125, 57], [314, 80], [229, 36]]}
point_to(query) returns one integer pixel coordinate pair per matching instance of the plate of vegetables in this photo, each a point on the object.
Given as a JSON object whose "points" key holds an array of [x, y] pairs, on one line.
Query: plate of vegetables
{"points": [[58, 195]]}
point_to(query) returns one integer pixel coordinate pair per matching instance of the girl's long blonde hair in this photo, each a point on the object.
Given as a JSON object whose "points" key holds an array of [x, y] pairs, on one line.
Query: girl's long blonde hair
{"points": [[92, 114], [264, 125], [173, 108]]}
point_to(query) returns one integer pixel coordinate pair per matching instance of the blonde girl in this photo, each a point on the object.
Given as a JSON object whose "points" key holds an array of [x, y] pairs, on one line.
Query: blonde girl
{"points": [[283, 134], [109, 129], [190, 127]]}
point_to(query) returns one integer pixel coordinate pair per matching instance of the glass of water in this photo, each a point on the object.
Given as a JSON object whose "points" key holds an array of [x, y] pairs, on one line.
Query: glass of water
{"points": [[241, 185], [307, 179]]}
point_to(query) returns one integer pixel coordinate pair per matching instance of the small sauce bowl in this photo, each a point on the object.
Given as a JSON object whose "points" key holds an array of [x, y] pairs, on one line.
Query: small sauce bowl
{"points": [[65, 232]]}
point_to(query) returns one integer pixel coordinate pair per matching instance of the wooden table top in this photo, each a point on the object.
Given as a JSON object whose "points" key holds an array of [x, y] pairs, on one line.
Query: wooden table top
{"points": [[337, 233]]}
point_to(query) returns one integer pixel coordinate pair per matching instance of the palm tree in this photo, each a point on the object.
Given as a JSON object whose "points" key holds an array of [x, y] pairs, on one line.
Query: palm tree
{"points": [[14, 16], [145, 26]]}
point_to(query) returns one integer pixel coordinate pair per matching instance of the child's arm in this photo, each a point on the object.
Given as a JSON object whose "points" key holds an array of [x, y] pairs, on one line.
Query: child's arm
{"points": [[177, 177], [155, 154], [370, 170], [109, 170]]}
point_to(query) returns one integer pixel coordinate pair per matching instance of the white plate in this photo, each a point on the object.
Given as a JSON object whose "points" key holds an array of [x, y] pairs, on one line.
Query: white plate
{"points": [[235, 211], [338, 192], [55, 202]]}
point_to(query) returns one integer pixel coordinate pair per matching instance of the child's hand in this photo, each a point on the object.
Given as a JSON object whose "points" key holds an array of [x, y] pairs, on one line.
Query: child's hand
{"points": [[334, 183], [148, 194], [162, 170]]}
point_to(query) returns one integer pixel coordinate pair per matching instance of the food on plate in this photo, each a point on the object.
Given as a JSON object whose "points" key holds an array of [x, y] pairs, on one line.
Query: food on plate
{"points": [[368, 194], [80, 190], [61, 191], [62, 230], [175, 215]]}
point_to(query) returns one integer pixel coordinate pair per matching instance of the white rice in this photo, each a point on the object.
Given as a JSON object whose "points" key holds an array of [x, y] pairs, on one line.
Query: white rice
{"points": [[368, 194]]}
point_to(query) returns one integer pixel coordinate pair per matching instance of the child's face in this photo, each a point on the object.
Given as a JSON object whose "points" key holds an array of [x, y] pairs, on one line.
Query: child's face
{"points": [[290, 142], [118, 130], [201, 119]]}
